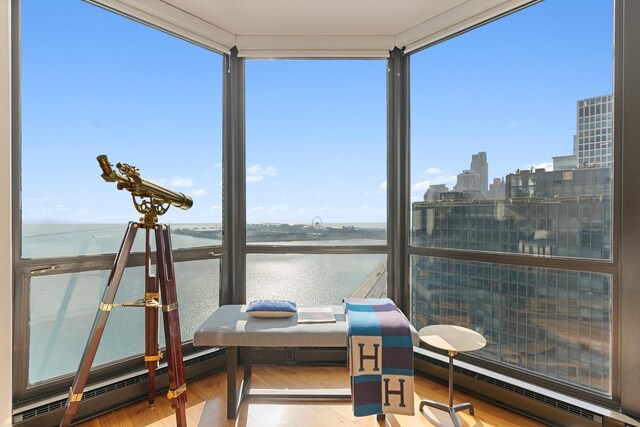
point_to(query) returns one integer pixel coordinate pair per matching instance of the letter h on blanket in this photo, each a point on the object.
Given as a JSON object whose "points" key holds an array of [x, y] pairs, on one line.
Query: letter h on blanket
{"points": [[380, 357]]}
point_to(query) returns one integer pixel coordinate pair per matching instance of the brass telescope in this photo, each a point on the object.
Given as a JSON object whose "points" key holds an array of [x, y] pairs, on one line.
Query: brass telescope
{"points": [[161, 294], [159, 197]]}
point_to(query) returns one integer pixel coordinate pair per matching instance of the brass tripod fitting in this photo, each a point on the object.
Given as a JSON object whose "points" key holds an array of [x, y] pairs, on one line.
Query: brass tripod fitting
{"points": [[172, 394]]}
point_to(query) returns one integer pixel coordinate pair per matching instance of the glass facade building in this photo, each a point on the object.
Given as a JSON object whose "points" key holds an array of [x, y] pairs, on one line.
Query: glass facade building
{"points": [[595, 131], [552, 322]]}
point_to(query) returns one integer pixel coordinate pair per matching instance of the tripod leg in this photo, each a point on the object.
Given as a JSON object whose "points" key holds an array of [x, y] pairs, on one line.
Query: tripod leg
{"points": [[151, 354], [166, 276], [120, 262]]}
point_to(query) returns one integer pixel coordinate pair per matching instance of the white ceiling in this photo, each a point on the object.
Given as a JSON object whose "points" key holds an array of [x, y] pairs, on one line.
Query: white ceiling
{"points": [[295, 28], [313, 17]]}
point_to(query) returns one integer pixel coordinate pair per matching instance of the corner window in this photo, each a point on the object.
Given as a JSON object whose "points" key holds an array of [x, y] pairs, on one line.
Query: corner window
{"points": [[92, 83], [501, 165]]}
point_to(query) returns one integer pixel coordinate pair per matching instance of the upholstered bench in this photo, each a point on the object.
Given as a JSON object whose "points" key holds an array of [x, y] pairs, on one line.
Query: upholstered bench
{"points": [[232, 327]]}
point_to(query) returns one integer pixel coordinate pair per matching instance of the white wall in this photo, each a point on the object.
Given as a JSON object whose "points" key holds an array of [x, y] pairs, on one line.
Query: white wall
{"points": [[5, 214]]}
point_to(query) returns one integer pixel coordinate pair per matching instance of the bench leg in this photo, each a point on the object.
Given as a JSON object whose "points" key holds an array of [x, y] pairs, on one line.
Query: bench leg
{"points": [[235, 395], [246, 355], [232, 394]]}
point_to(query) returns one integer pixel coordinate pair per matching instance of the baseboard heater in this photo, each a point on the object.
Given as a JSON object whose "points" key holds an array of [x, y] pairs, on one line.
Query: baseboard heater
{"points": [[527, 401], [46, 412]]}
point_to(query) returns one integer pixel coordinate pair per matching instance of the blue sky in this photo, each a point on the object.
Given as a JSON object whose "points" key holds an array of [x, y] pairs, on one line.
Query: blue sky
{"points": [[96, 83], [508, 88]]}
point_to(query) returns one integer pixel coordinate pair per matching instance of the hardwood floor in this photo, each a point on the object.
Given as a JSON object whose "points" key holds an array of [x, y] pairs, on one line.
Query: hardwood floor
{"points": [[206, 405]]}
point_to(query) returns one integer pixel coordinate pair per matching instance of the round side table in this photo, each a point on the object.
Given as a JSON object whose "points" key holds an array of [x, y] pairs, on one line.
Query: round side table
{"points": [[453, 339]]}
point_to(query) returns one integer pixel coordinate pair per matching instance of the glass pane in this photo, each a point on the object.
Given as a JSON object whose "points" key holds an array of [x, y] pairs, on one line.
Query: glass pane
{"points": [[316, 152], [63, 308], [575, 227], [551, 322], [511, 151], [154, 103], [316, 279]]}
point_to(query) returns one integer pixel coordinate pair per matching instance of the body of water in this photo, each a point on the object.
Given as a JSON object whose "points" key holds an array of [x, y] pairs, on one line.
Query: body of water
{"points": [[63, 306]]}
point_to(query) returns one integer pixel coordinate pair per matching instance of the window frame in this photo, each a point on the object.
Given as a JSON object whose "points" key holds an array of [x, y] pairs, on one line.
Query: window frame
{"points": [[624, 266], [608, 266], [24, 269], [235, 184]]}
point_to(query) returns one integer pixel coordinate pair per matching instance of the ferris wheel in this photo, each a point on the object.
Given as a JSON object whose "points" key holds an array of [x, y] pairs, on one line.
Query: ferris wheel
{"points": [[317, 223]]}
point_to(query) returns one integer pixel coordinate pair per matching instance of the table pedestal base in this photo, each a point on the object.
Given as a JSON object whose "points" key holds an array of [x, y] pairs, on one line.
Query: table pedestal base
{"points": [[451, 408]]}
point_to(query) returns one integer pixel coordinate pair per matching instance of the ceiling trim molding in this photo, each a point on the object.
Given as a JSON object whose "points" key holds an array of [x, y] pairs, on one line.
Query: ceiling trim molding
{"points": [[314, 46], [312, 54], [453, 21], [168, 18]]}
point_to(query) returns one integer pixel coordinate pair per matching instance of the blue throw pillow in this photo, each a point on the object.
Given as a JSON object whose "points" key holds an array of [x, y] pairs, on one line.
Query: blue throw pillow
{"points": [[271, 308]]}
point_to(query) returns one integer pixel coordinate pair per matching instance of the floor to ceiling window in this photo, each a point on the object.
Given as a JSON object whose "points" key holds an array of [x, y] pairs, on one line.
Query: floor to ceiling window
{"points": [[511, 162], [93, 82], [512, 230], [316, 179]]}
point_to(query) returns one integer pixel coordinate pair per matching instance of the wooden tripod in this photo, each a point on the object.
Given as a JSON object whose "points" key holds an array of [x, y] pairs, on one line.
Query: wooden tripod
{"points": [[151, 303]]}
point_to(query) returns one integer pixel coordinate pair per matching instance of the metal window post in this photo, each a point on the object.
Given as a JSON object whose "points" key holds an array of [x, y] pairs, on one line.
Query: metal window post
{"points": [[398, 179], [233, 276], [626, 100]]}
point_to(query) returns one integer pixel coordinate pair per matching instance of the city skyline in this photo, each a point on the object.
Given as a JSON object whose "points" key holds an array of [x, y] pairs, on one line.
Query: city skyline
{"points": [[316, 130], [591, 148]]}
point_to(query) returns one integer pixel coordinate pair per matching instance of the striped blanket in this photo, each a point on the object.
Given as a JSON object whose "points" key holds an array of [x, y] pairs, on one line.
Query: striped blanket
{"points": [[380, 357]]}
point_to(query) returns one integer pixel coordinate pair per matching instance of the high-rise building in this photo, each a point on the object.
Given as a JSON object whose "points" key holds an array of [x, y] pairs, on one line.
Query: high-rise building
{"points": [[593, 141], [434, 191], [496, 189], [563, 163], [536, 318], [477, 177], [539, 184], [595, 131]]}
